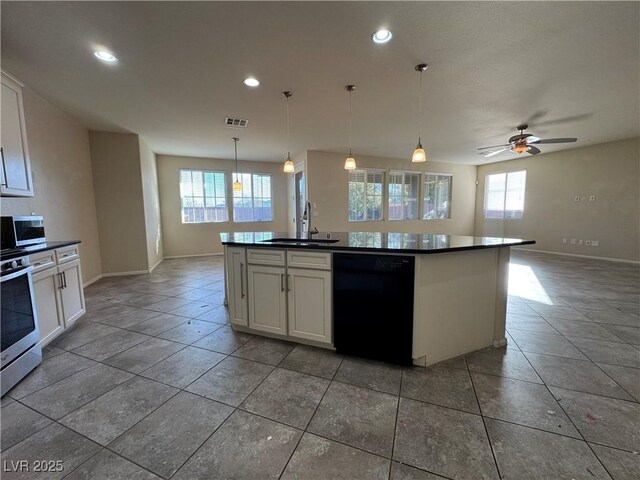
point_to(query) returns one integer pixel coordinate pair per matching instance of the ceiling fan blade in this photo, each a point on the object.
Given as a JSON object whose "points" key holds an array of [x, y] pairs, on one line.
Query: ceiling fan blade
{"points": [[532, 139], [520, 136], [555, 140], [491, 154], [495, 146], [534, 150]]}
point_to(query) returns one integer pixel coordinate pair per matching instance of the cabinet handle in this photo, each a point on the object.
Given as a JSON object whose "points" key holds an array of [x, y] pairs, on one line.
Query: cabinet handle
{"points": [[61, 285], [64, 277], [4, 169], [241, 281], [282, 282]]}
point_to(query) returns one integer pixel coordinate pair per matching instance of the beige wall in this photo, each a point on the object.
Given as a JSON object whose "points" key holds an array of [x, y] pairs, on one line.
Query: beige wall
{"points": [[204, 238], [610, 171], [328, 189], [62, 179], [117, 177], [151, 200]]}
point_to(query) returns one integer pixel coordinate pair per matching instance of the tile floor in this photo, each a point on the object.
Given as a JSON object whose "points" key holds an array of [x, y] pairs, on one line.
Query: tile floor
{"points": [[153, 383]]}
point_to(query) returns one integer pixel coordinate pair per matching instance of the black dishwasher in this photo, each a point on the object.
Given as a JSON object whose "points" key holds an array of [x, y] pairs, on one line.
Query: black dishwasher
{"points": [[373, 306]]}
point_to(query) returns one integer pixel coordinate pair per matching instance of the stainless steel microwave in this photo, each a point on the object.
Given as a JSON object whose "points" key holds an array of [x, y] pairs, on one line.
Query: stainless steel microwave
{"points": [[18, 231]]}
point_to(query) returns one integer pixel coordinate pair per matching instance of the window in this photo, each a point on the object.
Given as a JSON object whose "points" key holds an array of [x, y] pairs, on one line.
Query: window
{"points": [[203, 196], [504, 195], [403, 195], [366, 189], [437, 196], [253, 202]]}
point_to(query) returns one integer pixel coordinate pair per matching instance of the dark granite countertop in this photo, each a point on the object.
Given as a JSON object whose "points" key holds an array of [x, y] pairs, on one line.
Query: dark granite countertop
{"points": [[370, 241], [28, 250]]}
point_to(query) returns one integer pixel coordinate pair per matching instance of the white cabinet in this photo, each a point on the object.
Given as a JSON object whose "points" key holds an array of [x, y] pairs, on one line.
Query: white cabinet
{"points": [[237, 285], [15, 174], [46, 288], [59, 296], [310, 308], [71, 291], [267, 298], [288, 292]]}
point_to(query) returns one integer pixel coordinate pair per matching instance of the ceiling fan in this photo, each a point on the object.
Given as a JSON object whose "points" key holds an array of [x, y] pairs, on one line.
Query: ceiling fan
{"points": [[523, 142]]}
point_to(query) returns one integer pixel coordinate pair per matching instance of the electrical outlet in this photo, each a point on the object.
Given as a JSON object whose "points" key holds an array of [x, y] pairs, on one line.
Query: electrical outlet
{"points": [[580, 242], [592, 198], [577, 198], [573, 241], [595, 243], [564, 241], [587, 242]]}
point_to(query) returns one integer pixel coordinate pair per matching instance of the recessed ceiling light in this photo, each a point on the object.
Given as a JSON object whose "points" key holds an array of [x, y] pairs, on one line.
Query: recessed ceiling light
{"points": [[382, 36], [105, 56], [251, 82]]}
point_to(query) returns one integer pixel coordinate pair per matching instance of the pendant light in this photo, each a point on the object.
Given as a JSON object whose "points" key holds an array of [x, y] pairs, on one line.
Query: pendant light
{"points": [[288, 167], [419, 154], [350, 162], [237, 186]]}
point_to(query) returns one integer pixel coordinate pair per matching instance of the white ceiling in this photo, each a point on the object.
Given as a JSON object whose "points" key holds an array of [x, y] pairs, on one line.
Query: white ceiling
{"points": [[571, 68]]}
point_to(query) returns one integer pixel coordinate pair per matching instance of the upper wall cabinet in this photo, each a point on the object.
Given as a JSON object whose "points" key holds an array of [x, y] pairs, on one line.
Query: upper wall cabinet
{"points": [[16, 167]]}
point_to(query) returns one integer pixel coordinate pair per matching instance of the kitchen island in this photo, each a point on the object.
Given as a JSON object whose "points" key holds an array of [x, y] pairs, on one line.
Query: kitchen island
{"points": [[294, 287]]}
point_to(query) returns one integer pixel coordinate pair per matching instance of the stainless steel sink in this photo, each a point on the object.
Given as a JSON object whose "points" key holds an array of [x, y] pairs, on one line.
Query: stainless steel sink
{"points": [[303, 241]]}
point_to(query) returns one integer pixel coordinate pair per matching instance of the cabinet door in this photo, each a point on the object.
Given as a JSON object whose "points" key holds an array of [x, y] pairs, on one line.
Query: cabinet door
{"points": [[267, 299], [310, 304], [72, 292], [47, 285], [237, 285], [16, 168]]}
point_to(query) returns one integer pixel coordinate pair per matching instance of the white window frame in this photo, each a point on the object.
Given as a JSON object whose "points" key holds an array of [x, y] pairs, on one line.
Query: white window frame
{"points": [[383, 197], [233, 197], [418, 194], [424, 194], [504, 198], [204, 193]]}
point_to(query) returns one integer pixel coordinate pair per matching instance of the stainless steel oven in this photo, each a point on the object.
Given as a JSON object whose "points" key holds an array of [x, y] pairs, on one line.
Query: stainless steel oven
{"points": [[18, 231], [19, 334]]}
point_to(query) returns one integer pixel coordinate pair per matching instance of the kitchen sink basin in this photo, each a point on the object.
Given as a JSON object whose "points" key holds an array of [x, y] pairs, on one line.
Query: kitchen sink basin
{"points": [[303, 241]]}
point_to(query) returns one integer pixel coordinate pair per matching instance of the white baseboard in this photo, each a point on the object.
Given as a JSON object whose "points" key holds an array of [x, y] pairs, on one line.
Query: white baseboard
{"points": [[122, 274], [92, 281], [119, 274], [196, 255], [157, 263], [608, 259]]}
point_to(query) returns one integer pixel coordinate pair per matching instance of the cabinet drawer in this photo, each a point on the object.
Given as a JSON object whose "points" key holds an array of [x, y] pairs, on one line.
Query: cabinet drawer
{"points": [[309, 259], [270, 256], [67, 254], [42, 260]]}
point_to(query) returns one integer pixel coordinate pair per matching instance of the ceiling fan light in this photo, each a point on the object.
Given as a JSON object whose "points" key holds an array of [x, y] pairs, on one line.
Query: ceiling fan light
{"points": [[521, 148], [289, 167], [237, 186], [350, 163]]}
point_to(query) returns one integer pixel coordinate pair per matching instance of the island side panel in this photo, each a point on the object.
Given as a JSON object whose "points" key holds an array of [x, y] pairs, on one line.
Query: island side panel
{"points": [[225, 302], [455, 303], [502, 296]]}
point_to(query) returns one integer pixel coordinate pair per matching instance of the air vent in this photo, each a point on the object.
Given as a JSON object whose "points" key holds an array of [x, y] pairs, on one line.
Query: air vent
{"points": [[236, 122]]}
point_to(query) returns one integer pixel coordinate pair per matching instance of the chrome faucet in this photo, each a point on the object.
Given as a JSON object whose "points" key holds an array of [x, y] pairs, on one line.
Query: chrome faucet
{"points": [[306, 218]]}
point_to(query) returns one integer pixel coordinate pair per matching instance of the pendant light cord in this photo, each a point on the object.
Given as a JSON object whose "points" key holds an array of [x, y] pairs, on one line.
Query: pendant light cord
{"points": [[235, 147], [420, 109], [288, 132], [350, 121]]}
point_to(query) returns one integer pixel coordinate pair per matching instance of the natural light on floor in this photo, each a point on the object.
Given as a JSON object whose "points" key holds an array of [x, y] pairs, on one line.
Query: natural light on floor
{"points": [[524, 283]]}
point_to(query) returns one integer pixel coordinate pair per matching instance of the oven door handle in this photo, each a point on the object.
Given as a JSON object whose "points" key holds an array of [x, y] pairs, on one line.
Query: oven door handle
{"points": [[16, 273]]}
